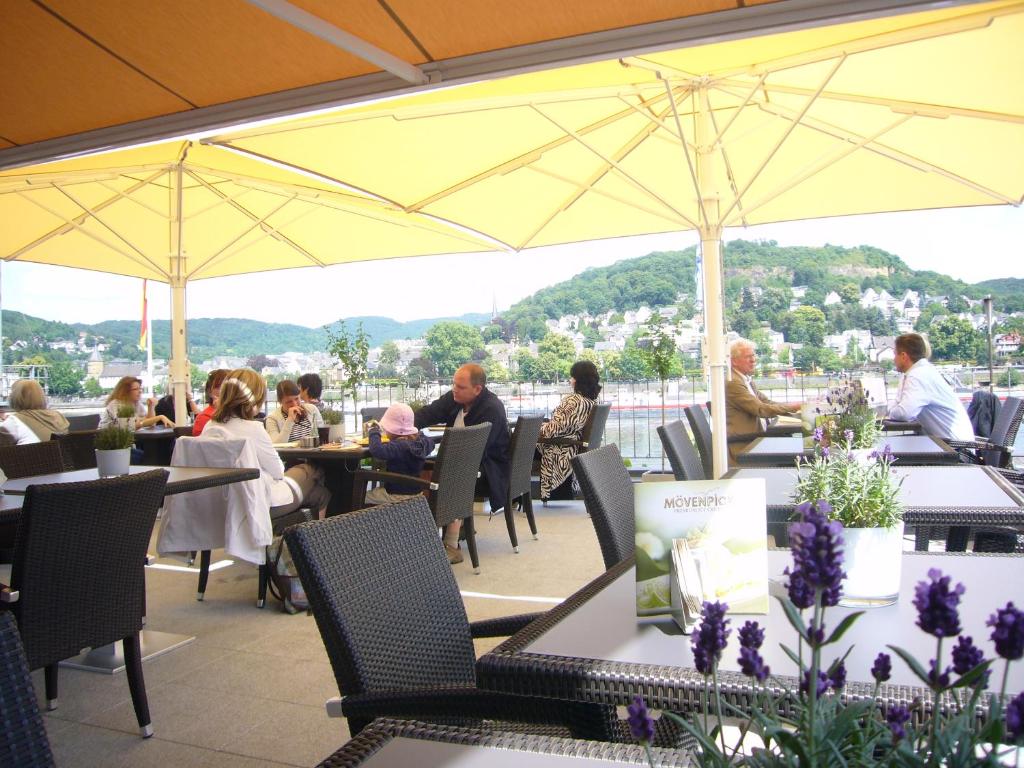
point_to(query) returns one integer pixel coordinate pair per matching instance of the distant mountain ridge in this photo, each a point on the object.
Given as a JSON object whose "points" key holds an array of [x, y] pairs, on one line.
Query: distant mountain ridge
{"points": [[210, 337]]}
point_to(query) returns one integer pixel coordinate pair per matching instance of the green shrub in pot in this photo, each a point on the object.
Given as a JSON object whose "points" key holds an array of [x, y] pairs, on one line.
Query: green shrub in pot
{"points": [[114, 438]]}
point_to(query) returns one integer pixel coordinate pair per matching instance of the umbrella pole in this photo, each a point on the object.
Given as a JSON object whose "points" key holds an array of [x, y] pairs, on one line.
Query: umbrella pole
{"points": [[179, 346]]}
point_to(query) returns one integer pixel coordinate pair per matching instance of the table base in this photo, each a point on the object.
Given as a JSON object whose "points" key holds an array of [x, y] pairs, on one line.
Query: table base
{"points": [[109, 659]]}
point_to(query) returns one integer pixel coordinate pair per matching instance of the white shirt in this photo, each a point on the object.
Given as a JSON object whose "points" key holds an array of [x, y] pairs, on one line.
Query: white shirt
{"points": [[924, 396], [16, 428], [283, 490]]}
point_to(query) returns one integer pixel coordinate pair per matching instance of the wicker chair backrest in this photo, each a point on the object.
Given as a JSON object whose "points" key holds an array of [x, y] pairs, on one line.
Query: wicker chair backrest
{"points": [[593, 430], [1004, 432], [385, 600], [455, 471], [23, 739], [78, 448], [32, 459], [700, 425], [682, 456], [84, 422], [78, 563], [521, 454], [371, 413], [608, 496]]}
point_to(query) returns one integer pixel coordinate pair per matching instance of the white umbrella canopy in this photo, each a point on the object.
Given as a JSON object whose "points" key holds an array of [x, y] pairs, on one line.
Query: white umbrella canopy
{"points": [[182, 211], [922, 110]]}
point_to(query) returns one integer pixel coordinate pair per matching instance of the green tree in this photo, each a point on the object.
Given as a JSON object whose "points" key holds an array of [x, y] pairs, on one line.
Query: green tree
{"points": [[387, 363], [259, 362], [496, 372], [197, 379], [451, 344], [420, 371], [65, 379], [492, 333], [526, 366], [953, 338], [352, 349], [92, 388], [849, 293], [804, 325]]}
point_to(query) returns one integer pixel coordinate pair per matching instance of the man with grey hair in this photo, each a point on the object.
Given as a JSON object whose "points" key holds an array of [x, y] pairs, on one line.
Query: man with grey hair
{"points": [[746, 407], [924, 395]]}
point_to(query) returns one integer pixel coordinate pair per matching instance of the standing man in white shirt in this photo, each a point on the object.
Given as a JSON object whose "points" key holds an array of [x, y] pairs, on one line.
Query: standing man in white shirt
{"points": [[924, 396]]}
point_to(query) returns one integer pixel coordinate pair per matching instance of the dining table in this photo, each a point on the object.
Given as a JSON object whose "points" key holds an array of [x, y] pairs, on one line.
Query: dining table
{"points": [[593, 647], [110, 658], [157, 445], [390, 742], [786, 451], [960, 496]]}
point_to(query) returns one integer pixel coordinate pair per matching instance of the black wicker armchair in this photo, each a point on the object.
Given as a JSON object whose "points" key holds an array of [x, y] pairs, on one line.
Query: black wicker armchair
{"points": [[452, 485], [521, 452], [78, 448], [23, 739], [681, 453], [997, 449], [32, 459], [78, 579], [396, 632], [608, 496]]}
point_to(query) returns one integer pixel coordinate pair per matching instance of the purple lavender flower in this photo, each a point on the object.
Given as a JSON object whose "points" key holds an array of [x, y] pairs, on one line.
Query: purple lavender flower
{"points": [[837, 677], [819, 433], [752, 664], [1015, 719], [966, 656], [751, 635], [881, 670], [710, 639], [937, 605], [936, 678], [823, 683], [897, 717], [1008, 632], [801, 594], [848, 435], [817, 555], [641, 726], [824, 451]]}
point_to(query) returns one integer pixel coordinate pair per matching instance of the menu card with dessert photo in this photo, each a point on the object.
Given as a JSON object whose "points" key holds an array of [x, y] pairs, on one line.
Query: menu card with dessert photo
{"points": [[701, 540]]}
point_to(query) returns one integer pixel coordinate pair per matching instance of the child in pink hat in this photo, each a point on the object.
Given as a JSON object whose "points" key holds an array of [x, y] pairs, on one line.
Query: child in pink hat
{"points": [[405, 452]]}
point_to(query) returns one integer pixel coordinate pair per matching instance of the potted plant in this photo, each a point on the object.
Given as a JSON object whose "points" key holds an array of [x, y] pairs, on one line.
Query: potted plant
{"points": [[847, 410], [864, 497], [817, 724], [114, 450], [336, 430], [126, 416]]}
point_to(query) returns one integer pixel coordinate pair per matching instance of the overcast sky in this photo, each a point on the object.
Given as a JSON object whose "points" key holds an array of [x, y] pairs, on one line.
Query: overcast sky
{"points": [[970, 244]]}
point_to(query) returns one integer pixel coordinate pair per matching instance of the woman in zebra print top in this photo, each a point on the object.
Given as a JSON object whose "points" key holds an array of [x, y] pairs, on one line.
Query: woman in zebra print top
{"points": [[568, 420]]}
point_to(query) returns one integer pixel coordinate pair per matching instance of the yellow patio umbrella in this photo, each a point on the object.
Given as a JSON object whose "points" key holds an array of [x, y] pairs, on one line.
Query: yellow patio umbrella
{"points": [[182, 211], [922, 110]]}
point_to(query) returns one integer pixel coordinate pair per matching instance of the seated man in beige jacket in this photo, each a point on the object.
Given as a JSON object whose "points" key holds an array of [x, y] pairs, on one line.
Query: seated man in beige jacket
{"points": [[746, 408]]}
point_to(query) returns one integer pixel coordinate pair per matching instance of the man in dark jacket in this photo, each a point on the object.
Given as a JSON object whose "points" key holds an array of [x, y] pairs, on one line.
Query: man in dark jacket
{"points": [[469, 403]]}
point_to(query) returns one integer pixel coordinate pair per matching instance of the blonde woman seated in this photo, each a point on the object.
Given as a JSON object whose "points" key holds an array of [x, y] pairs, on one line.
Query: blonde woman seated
{"points": [[293, 419], [241, 397], [128, 391], [32, 421]]}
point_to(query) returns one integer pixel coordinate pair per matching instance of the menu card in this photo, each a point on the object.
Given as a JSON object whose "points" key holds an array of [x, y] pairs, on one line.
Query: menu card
{"points": [[701, 540]]}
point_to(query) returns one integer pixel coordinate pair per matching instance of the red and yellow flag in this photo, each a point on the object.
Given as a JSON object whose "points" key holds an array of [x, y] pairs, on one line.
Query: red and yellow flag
{"points": [[143, 337]]}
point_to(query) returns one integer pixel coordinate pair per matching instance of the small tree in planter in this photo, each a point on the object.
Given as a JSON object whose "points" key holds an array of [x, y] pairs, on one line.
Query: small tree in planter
{"points": [[113, 450], [333, 420], [352, 350], [125, 416], [658, 349]]}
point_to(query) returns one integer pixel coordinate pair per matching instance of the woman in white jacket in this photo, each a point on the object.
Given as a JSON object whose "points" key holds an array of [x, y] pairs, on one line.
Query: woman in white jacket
{"points": [[293, 419], [241, 397]]}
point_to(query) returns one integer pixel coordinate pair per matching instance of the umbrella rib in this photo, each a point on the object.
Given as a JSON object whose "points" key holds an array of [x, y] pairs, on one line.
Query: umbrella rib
{"points": [[527, 158], [595, 177], [257, 221], [725, 160], [71, 225], [686, 153], [891, 153], [786, 134], [825, 162], [625, 174]]}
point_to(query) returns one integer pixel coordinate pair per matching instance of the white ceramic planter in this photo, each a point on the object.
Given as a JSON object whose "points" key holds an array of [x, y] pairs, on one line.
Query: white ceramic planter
{"points": [[872, 559], [113, 463], [336, 433]]}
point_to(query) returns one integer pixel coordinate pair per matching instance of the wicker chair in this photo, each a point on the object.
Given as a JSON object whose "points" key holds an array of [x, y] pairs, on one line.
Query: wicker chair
{"points": [[371, 413], [78, 448], [32, 459], [395, 628], [78, 579], [452, 485], [591, 437], [23, 739], [608, 495], [682, 456], [997, 450], [521, 452], [700, 425]]}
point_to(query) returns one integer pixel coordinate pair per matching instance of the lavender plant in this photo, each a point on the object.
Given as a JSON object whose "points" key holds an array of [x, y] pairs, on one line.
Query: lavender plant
{"points": [[813, 726], [861, 494], [850, 418]]}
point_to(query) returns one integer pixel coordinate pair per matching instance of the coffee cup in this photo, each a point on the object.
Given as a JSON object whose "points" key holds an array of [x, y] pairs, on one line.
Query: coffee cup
{"points": [[308, 442]]}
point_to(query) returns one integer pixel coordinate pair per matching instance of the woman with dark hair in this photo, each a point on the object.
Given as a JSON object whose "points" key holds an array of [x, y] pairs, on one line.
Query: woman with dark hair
{"points": [[293, 419], [568, 420], [311, 386], [213, 381]]}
